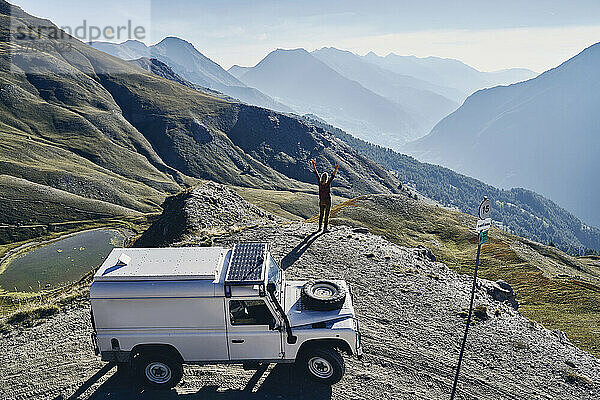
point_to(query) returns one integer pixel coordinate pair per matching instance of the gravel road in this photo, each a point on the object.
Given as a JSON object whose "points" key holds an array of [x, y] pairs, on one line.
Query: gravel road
{"points": [[409, 308]]}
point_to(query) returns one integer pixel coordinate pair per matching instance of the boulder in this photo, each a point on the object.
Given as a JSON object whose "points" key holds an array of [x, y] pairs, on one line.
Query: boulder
{"points": [[424, 253], [502, 291]]}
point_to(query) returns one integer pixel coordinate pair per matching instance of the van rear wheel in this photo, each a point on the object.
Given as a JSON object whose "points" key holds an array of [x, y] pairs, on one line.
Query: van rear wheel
{"points": [[158, 371], [323, 364]]}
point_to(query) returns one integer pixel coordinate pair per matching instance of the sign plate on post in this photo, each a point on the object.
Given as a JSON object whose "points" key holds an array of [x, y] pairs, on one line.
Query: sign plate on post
{"points": [[483, 224], [485, 209], [483, 237]]}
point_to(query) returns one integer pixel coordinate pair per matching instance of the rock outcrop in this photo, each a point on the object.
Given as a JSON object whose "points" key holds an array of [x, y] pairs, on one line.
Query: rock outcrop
{"points": [[502, 291], [200, 212]]}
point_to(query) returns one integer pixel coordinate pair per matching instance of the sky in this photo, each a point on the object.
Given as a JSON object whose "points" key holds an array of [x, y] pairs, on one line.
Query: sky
{"points": [[488, 35]]}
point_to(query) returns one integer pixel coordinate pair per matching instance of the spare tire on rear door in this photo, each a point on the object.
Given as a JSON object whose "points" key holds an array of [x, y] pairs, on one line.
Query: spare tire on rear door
{"points": [[323, 295]]}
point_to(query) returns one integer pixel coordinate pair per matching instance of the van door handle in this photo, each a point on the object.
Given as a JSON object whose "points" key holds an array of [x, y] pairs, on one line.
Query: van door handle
{"points": [[237, 341]]}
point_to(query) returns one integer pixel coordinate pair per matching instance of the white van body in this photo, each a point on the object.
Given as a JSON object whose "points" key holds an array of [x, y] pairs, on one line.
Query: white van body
{"points": [[205, 308]]}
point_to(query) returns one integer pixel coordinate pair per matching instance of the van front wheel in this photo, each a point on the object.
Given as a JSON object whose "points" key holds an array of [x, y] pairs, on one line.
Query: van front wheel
{"points": [[158, 371], [324, 365]]}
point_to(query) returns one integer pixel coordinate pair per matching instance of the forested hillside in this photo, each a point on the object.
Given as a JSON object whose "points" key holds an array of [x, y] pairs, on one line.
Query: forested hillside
{"points": [[517, 210]]}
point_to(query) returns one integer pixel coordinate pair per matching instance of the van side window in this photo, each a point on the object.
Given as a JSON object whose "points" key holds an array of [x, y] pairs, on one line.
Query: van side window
{"points": [[249, 312]]}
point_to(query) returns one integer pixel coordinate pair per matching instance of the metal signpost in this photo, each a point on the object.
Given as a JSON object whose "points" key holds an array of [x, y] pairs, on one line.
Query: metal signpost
{"points": [[483, 225]]}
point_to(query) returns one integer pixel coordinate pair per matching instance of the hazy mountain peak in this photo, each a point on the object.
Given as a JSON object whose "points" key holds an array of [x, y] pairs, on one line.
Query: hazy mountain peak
{"points": [[286, 56], [448, 72], [297, 51], [134, 42], [333, 50], [238, 71], [174, 40], [424, 102], [191, 65], [498, 71], [310, 85], [394, 55]]}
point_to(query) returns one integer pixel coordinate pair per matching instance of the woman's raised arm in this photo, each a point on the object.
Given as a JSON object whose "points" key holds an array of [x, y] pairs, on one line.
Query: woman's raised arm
{"points": [[315, 170], [334, 172]]}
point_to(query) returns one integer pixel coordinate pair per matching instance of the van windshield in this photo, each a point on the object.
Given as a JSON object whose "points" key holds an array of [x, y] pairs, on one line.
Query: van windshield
{"points": [[274, 275]]}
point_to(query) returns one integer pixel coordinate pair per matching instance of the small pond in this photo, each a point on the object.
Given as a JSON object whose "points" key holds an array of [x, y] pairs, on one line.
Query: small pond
{"points": [[58, 263]]}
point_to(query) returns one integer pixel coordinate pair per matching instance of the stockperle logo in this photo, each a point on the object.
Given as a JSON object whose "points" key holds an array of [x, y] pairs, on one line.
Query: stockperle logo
{"points": [[85, 32], [31, 43]]}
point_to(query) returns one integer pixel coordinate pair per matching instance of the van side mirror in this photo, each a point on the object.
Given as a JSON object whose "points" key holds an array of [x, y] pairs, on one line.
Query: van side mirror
{"points": [[271, 287]]}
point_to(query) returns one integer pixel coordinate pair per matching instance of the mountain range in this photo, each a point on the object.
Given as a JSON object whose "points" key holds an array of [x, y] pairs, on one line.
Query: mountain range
{"points": [[519, 211], [425, 103], [448, 72], [192, 65], [363, 95], [367, 95], [541, 134], [82, 124], [86, 125], [309, 85]]}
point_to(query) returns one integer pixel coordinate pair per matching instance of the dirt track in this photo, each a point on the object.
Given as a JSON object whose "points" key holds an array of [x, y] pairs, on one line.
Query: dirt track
{"points": [[408, 310]]}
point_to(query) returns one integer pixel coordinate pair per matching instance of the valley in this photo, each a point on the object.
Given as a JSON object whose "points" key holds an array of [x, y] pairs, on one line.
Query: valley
{"points": [[542, 134]]}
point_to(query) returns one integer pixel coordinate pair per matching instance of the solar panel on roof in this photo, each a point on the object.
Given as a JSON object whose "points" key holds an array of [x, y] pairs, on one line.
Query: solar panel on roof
{"points": [[247, 262]]}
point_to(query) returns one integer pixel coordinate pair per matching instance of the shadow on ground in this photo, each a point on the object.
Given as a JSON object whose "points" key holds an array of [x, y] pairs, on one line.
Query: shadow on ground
{"points": [[297, 251], [282, 381]]}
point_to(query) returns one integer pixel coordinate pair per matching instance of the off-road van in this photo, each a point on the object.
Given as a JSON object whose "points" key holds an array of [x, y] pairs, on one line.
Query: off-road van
{"points": [[154, 310]]}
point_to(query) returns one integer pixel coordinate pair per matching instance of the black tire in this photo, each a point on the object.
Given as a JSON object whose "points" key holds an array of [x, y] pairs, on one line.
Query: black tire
{"points": [[158, 371], [323, 364], [323, 295]]}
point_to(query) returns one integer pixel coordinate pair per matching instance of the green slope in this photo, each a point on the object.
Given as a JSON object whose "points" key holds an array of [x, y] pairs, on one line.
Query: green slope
{"points": [[26, 202], [91, 125]]}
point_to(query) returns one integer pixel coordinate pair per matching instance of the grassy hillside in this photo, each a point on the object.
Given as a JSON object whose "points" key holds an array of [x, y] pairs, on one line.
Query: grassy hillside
{"points": [[79, 124], [553, 288], [24, 202], [296, 206]]}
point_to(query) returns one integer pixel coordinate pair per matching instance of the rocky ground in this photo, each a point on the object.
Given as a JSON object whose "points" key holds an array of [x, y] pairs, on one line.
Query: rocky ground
{"points": [[198, 215], [411, 311]]}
